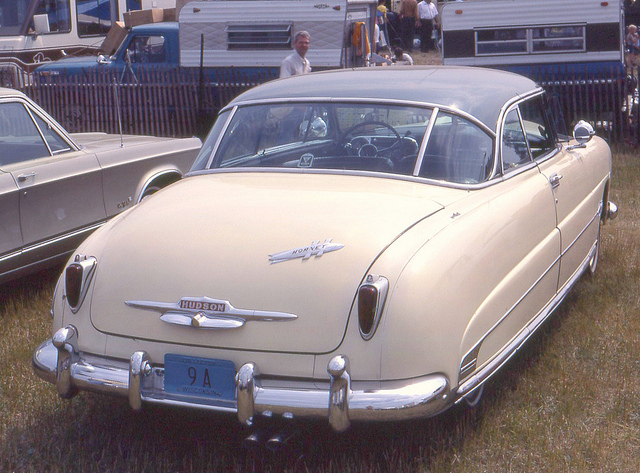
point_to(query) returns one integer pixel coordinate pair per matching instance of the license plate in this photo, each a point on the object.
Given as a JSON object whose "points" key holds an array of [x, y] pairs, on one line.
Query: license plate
{"points": [[202, 377]]}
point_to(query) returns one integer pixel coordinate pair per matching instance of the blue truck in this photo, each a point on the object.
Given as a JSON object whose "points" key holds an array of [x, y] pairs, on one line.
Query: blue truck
{"points": [[153, 44]]}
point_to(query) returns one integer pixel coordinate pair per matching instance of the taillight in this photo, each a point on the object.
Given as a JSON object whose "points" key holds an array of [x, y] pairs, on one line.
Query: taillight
{"points": [[371, 298], [77, 278]]}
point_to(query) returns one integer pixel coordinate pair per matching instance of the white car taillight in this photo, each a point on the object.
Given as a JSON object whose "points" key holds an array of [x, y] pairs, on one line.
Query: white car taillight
{"points": [[77, 279], [371, 298]]}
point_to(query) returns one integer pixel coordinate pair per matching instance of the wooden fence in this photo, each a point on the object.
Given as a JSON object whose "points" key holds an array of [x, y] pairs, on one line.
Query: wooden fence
{"points": [[157, 101], [165, 102], [608, 100]]}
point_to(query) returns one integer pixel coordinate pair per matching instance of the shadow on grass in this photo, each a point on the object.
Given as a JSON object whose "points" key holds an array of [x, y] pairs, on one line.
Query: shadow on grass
{"points": [[27, 289]]}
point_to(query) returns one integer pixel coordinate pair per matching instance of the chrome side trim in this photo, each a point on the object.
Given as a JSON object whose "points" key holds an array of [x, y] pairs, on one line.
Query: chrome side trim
{"points": [[53, 241], [468, 360], [467, 364], [340, 401]]}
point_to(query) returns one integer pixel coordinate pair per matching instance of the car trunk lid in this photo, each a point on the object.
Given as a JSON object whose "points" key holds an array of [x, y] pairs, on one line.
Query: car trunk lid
{"points": [[278, 257]]}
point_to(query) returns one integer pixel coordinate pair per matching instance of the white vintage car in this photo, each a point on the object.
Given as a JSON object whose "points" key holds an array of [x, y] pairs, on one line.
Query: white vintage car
{"points": [[56, 188], [358, 245]]}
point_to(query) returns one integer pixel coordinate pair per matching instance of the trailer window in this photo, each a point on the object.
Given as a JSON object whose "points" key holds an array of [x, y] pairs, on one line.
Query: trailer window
{"points": [[534, 40], [259, 36], [558, 38], [501, 41]]}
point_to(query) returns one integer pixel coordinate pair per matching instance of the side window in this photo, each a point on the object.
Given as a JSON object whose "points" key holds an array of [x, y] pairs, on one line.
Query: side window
{"points": [[458, 151], [94, 17], [56, 143], [514, 145], [19, 136], [537, 127], [52, 16], [147, 50]]}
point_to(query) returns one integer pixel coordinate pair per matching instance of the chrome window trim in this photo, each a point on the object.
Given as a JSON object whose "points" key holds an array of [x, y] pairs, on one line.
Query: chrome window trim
{"points": [[223, 132], [42, 137], [365, 101], [425, 141], [402, 177], [495, 177], [497, 165], [33, 107], [51, 241]]}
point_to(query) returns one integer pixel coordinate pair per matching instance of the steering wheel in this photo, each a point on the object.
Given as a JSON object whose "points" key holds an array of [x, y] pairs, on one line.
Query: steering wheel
{"points": [[342, 141]]}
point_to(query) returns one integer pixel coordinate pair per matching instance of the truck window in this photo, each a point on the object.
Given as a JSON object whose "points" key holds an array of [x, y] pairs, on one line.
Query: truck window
{"points": [[147, 50]]}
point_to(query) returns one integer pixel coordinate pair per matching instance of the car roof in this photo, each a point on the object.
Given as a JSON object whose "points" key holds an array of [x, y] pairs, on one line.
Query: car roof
{"points": [[155, 28], [5, 92], [476, 91]]}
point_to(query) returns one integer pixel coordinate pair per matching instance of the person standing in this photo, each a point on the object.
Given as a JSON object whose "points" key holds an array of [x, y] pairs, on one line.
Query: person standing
{"points": [[409, 19], [296, 63], [428, 14]]}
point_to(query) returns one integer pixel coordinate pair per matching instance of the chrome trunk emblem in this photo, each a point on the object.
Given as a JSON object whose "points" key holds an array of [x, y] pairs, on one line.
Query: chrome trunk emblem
{"points": [[204, 312], [305, 252]]}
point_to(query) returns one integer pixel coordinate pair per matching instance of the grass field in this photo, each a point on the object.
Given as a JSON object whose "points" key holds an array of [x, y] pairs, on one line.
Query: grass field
{"points": [[570, 401]]}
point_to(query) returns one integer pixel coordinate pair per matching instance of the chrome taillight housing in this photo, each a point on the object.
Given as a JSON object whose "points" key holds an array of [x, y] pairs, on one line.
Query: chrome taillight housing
{"points": [[77, 279], [372, 295]]}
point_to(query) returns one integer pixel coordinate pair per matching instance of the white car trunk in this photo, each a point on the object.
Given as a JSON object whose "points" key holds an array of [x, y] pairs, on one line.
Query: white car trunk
{"points": [[212, 236]]}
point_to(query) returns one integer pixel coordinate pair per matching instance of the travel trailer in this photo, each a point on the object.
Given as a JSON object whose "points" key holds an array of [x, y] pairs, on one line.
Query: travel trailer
{"points": [[534, 35], [259, 33]]}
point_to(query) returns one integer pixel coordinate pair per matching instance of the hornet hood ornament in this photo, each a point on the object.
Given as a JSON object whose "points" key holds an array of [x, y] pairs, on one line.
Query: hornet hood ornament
{"points": [[316, 249]]}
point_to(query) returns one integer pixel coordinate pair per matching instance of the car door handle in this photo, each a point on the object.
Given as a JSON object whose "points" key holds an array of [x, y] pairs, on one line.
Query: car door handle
{"points": [[554, 180], [24, 177]]}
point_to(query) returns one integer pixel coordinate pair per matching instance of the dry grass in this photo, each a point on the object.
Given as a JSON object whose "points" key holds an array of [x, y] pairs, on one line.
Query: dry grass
{"points": [[570, 401]]}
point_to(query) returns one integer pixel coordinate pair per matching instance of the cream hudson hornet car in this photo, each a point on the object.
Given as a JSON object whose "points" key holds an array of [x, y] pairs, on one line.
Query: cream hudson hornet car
{"points": [[56, 188], [354, 245]]}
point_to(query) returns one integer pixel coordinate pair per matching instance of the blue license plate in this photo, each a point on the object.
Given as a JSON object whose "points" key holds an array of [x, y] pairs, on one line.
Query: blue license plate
{"points": [[202, 377]]}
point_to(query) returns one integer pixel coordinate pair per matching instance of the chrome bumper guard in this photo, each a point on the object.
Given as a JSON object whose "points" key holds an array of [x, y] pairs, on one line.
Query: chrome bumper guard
{"points": [[58, 361]]}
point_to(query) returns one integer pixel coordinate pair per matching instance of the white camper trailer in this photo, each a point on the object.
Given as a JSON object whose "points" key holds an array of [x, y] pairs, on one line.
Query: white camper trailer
{"points": [[259, 33], [34, 31], [520, 35]]}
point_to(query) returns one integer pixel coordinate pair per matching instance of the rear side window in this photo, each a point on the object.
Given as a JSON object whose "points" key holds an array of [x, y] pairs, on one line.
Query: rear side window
{"points": [[458, 151]]}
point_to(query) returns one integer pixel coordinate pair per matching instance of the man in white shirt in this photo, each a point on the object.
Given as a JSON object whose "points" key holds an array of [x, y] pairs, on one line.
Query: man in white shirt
{"points": [[296, 63], [428, 13]]}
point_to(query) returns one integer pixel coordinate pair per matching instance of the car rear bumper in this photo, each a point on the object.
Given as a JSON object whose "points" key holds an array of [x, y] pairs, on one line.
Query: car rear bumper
{"points": [[340, 402]]}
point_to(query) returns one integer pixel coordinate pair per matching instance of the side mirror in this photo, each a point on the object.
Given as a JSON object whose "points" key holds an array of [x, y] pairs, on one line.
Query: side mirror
{"points": [[102, 59], [41, 24], [582, 133]]}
